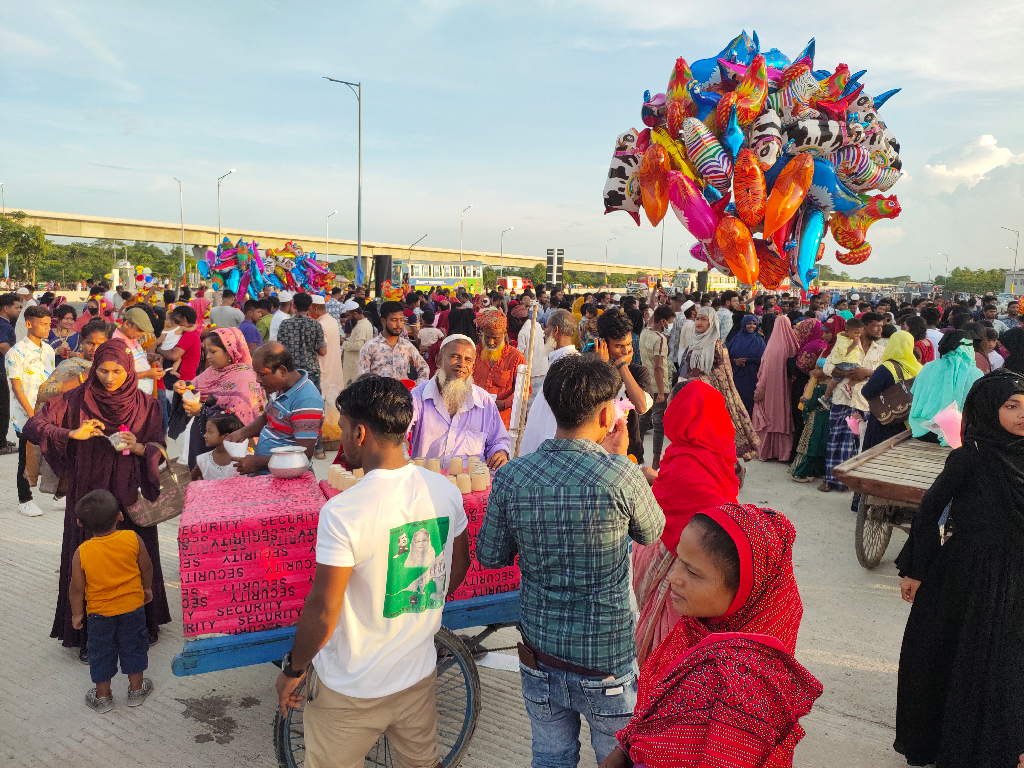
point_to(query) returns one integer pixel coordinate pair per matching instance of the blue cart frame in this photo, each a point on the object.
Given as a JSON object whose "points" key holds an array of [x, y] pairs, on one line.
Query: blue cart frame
{"points": [[455, 664]]}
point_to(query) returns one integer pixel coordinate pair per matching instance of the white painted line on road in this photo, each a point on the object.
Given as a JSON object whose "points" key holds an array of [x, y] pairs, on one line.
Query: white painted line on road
{"points": [[503, 661], [863, 663]]}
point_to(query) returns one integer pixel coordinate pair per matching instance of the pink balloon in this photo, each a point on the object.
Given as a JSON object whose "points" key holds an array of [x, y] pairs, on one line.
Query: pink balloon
{"points": [[949, 421], [690, 207]]}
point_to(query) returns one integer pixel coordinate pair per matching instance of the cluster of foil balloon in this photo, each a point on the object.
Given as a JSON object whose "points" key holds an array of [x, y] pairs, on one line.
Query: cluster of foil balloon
{"points": [[748, 143], [242, 268]]}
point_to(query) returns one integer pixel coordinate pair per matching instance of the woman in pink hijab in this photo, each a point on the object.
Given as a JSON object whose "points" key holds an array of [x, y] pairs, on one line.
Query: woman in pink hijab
{"points": [[773, 416]]}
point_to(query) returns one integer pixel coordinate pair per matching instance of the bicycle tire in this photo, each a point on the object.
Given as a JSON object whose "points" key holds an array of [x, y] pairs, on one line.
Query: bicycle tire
{"points": [[458, 702]]}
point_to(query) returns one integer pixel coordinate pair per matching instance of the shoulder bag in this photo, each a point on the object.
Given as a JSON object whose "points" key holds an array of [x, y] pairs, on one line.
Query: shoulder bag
{"points": [[174, 479], [894, 403]]}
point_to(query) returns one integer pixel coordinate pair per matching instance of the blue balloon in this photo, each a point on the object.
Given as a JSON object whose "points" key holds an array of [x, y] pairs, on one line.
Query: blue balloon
{"points": [[776, 59], [810, 238], [204, 268], [828, 192], [773, 173], [733, 136], [808, 51], [880, 100], [234, 278], [706, 102], [853, 82], [711, 194], [741, 49]]}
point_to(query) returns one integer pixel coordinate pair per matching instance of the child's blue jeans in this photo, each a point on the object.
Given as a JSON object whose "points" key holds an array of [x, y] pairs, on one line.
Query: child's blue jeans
{"points": [[123, 637]]}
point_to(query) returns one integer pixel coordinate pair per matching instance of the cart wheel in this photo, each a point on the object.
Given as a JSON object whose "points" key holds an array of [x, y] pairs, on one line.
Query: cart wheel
{"points": [[458, 707], [873, 533]]}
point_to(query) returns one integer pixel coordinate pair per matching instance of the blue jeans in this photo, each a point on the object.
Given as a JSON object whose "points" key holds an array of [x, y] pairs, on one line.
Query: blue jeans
{"points": [[123, 637], [555, 699]]}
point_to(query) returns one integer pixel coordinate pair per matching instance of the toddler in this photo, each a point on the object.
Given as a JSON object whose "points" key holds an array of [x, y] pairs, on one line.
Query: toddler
{"points": [[218, 463], [846, 355], [112, 578]]}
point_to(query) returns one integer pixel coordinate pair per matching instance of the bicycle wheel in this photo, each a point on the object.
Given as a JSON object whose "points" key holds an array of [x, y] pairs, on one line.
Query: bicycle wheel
{"points": [[871, 537], [458, 707]]}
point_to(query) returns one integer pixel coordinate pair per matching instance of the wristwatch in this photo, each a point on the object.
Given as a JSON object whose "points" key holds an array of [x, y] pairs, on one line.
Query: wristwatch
{"points": [[286, 667]]}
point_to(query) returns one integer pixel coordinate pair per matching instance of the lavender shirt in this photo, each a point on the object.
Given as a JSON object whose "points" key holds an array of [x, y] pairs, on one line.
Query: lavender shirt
{"points": [[476, 430]]}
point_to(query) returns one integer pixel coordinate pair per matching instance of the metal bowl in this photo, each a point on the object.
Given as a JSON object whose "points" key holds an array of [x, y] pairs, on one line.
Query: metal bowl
{"points": [[288, 462]]}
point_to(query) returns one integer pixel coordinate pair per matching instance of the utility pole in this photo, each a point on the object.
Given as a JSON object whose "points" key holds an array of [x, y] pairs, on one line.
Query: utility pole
{"points": [[1013, 279], [357, 89]]}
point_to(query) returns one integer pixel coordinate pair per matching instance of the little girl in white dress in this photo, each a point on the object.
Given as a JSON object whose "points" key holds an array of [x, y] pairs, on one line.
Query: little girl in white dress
{"points": [[217, 464]]}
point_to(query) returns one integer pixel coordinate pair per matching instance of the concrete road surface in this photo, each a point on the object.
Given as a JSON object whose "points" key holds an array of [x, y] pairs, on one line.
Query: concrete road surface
{"points": [[850, 639]]}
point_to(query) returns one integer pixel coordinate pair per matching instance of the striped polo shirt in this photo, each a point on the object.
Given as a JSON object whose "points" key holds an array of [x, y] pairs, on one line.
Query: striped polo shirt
{"points": [[295, 414]]}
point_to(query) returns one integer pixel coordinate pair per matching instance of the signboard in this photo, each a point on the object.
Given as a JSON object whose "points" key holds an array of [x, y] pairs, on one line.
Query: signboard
{"points": [[553, 275]]}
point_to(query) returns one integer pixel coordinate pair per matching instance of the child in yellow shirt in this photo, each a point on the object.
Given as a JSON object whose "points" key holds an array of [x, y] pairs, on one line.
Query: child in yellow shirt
{"points": [[112, 578]]}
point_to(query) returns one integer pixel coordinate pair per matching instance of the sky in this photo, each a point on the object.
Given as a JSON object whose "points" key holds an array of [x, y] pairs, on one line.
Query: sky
{"points": [[512, 108]]}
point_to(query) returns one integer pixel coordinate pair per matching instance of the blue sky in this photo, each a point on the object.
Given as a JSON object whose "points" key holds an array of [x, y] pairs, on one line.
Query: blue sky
{"points": [[513, 107]]}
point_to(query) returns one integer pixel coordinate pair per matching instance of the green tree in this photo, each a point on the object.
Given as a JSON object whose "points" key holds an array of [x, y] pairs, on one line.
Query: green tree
{"points": [[976, 281], [490, 278], [23, 245]]}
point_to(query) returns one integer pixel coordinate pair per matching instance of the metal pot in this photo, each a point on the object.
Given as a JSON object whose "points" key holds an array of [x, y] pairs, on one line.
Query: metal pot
{"points": [[288, 462]]}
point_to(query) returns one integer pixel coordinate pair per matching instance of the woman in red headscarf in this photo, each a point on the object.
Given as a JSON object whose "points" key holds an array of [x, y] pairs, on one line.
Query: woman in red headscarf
{"points": [[724, 688], [72, 430], [697, 471]]}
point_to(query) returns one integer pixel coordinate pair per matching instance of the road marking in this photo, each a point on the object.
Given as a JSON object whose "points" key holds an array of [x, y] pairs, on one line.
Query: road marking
{"points": [[30, 541], [848, 661]]}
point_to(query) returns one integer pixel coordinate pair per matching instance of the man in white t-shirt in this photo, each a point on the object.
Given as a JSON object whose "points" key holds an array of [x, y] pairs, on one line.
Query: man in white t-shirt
{"points": [[284, 311], [540, 421], [389, 550]]}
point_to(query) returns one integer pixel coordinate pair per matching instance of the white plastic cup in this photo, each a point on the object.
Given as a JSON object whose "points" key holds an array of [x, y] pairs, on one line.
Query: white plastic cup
{"points": [[434, 465], [464, 483]]}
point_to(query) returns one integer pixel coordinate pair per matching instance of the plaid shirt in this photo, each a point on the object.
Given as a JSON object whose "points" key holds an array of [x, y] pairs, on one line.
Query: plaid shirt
{"points": [[568, 510], [302, 336]]}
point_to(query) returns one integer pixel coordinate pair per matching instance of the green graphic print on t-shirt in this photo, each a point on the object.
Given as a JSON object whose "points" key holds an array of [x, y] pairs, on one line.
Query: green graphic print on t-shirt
{"points": [[417, 577]]}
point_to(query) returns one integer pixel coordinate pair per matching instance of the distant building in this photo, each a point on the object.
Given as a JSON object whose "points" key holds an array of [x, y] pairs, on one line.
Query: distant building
{"points": [[1014, 282]]}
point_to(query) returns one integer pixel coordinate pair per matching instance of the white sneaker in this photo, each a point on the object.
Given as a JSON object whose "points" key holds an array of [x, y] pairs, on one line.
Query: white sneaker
{"points": [[29, 509]]}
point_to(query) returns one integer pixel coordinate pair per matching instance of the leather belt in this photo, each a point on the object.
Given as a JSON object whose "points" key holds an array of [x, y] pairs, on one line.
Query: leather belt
{"points": [[553, 661]]}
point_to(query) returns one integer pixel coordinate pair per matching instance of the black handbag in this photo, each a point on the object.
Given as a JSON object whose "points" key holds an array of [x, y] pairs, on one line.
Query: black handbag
{"points": [[894, 403]]}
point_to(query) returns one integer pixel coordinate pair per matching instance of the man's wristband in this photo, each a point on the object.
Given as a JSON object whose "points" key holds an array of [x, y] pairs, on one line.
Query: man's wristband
{"points": [[618, 366]]}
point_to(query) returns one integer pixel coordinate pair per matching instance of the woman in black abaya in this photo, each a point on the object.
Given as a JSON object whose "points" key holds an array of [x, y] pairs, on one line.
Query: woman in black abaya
{"points": [[960, 696]]}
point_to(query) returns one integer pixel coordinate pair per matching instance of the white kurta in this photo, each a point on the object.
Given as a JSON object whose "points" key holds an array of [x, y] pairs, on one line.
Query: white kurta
{"points": [[332, 378]]}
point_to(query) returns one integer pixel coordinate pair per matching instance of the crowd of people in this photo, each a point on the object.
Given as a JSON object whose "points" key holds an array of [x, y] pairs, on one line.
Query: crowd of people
{"points": [[706, 673]]}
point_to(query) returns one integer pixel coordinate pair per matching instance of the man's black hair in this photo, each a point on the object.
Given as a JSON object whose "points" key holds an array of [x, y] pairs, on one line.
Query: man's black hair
{"points": [[663, 313], [729, 296], [275, 356], [614, 325], [335, 291], [186, 313], [8, 299], [917, 327], [227, 293], [36, 312], [97, 511], [931, 315], [275, 303], [871, 317], [302, 302], [381, 404], [427, 316], [576, 386], [97, 325], [389, 308]]}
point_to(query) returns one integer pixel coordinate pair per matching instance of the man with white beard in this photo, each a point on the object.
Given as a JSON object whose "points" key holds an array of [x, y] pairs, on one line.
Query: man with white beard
{"points": [[540, 421], [454, 417]]}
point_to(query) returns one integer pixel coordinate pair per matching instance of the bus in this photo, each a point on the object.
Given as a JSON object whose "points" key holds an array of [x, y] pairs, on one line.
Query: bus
{"points": [[424, 275]]}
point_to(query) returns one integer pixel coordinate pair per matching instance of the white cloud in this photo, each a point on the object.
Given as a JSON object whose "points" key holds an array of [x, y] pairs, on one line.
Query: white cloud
{"points": [[967, 164]]}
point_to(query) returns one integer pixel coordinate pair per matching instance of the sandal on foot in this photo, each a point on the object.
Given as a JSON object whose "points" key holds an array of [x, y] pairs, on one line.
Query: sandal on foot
{"points": [[135, 698], [83, 654], [803, 479], [825, 488], [98, 704]]}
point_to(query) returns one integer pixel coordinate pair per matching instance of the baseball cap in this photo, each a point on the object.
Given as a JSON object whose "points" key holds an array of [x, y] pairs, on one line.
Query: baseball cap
{"points": [[318, 299], [138, 317]]}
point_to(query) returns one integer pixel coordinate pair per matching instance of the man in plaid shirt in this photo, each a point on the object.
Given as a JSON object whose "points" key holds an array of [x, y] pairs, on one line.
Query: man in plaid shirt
{"points": [[568, 510]]}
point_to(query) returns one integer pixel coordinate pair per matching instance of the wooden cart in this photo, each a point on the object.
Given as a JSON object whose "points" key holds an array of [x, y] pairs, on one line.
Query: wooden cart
{"points": [[892, 478]]}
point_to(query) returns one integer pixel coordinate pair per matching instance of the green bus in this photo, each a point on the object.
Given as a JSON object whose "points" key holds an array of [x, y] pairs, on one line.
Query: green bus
{"points": [[424, 275]]}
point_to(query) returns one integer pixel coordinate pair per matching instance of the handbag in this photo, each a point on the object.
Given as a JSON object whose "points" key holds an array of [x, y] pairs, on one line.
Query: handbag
{"points": [[894, 403], [174, 478]]}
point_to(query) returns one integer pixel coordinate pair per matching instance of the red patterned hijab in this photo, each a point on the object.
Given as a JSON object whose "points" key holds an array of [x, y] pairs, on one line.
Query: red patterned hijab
{"points": [[235, 385], [727, 691]]}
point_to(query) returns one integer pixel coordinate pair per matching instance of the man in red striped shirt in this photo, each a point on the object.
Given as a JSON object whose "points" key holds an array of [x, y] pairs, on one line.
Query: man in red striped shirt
{"points": [[294, 417]]}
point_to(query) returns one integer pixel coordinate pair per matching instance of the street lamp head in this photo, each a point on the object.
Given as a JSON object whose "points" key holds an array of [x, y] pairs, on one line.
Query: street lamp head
{"points": [[232, 170]]}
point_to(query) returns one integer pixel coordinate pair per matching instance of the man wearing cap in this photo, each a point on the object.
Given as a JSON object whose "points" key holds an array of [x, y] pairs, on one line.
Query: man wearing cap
{"points": [[227, 315], [362, 332], [284, 311], [135, 325], [497, 362], [454, 417], [25, 297]]}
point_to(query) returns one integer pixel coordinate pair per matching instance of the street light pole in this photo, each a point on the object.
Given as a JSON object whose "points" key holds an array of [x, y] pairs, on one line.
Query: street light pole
{"points": [[606, 258], [3, 199], [181, 212], [327, 238], [219, 180], [357, 89], [501, 255], [461, 215], [1014, 278], [929, 267]]}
